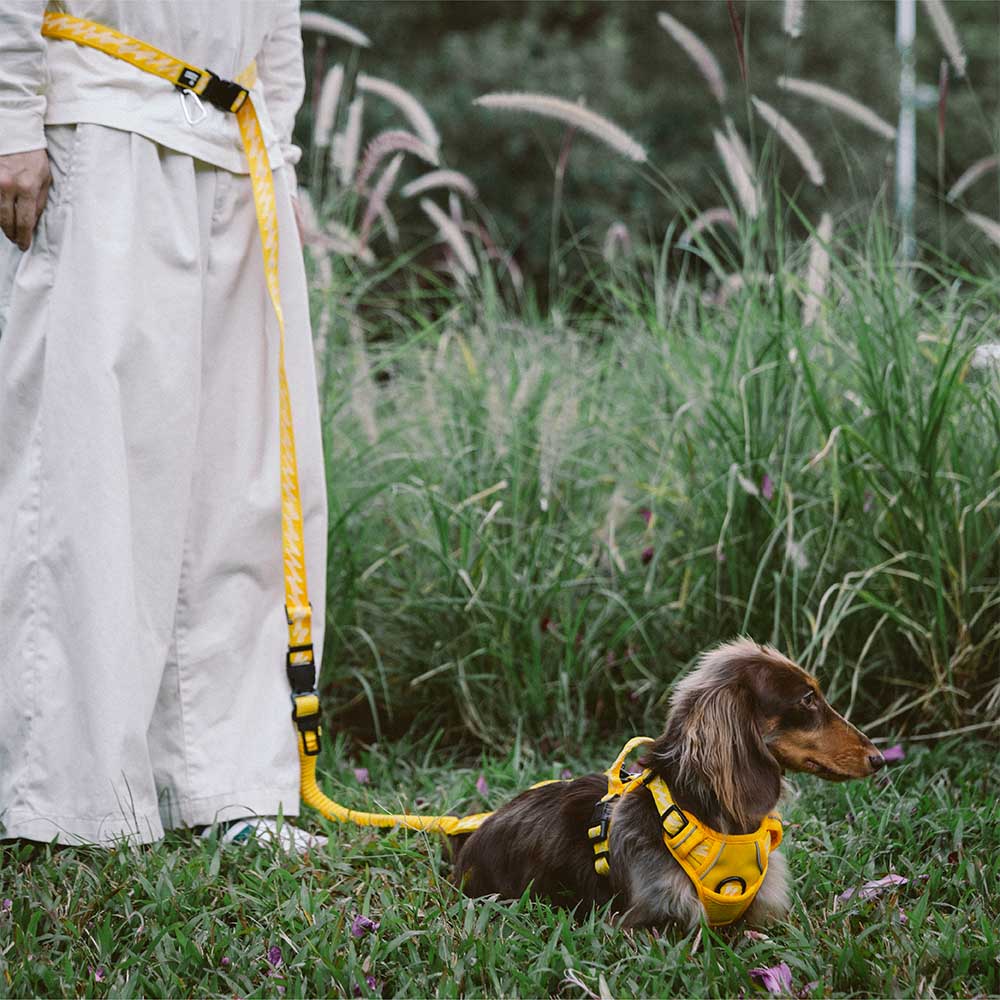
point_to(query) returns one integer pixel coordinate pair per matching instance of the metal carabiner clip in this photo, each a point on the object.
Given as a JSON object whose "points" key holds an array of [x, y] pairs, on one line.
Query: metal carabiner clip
{"points": [[202, 114]]}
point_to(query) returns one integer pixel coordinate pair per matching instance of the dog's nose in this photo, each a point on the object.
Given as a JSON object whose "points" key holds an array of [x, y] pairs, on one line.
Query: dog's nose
{"points": [[876, 761]]}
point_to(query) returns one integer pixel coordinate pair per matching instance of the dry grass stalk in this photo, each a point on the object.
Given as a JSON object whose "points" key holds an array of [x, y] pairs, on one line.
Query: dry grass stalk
{"points": [[363, 392], [838, 101], [742, 179], [379, 196], [705, 220], [817, 270], [977, 170], [792, 18], [575, 115], [944, 28], [793, 139], [346, 145], [392, 141], [412, 109], [326, 107], [698, 52], [452, 235], [326, 25], [989, 227], [557, 418], [441, 179]]}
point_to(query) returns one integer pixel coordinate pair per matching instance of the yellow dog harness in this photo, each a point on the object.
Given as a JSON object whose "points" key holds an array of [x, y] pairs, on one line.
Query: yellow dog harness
{"points": [[726, 870]]}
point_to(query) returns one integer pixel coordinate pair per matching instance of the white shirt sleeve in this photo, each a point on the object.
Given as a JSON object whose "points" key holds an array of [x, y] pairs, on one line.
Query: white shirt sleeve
{"points": [[282, 76], [22, 77]]}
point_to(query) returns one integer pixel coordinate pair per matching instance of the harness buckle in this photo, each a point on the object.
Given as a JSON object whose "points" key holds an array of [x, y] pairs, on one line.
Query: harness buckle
{"points": [[600, 821], [674, 808]]}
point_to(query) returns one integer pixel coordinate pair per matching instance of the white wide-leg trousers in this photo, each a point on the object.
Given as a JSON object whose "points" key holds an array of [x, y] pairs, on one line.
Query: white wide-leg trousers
{"points": [[142, 628]]}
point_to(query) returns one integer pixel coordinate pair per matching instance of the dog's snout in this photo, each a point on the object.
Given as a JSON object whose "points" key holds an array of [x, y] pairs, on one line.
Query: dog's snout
{"points": [[876, 761]]}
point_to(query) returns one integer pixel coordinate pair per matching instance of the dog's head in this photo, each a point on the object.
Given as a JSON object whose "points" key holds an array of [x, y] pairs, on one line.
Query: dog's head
{"points": [[746, 713]]}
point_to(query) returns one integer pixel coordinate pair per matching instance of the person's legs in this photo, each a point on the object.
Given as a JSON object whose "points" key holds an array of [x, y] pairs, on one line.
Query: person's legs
{"points": [[100, 365], [223, 742]]}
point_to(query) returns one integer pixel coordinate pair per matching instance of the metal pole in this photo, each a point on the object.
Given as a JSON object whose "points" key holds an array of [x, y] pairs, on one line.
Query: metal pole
{"points": [[906, 136]]}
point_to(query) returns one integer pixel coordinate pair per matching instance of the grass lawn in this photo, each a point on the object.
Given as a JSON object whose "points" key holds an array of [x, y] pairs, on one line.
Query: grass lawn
{"points": [[187, 918]]}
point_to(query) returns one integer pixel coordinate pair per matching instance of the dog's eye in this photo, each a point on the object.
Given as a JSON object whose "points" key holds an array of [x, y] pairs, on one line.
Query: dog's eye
{"points": [[808, 699]]}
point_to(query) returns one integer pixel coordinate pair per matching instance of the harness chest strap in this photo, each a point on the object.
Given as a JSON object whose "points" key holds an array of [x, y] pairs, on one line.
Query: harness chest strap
{"points": [[233, 97], [727, 870]]}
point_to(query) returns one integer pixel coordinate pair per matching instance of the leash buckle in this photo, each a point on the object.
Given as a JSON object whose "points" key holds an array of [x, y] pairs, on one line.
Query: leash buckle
{"points": [[306, 716], [600, 821], [222, 94], [301, 674]]}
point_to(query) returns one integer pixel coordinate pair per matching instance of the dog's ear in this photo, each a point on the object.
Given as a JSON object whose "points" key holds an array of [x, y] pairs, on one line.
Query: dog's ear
{"points": [[721, 739]]}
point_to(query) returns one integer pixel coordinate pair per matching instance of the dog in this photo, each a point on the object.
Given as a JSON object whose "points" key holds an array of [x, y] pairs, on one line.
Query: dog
{"points": [[742, 717]]}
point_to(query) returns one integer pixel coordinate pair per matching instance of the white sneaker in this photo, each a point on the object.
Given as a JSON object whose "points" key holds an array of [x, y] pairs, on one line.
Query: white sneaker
{"points": [[264, 830]]}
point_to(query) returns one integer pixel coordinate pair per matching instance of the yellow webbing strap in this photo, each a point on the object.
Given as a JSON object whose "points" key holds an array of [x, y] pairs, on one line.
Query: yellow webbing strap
{"points": [[297, 608]]}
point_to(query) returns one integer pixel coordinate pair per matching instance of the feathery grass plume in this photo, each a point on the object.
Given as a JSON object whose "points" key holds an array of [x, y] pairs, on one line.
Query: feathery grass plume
{"points": [[838, 101], [710, 217], [341, 240], [792, 18], [989, 227], [817, 270], [617, 242], [698, 52], [452, 235], [326, 107], [326, 25], [347, 144], [412, 109], [576, 115], [378, 196], [363, 392], [333, 238], [743, 181], [793, 139], [977, 170], [944, 28], [441, 179], [556, 418], [392, 141]]}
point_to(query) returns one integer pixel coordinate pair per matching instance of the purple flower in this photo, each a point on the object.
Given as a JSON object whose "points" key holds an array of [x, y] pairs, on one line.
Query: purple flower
{"points": [[362, 925], [225, 961], [894, 754], [646, 514], [647, 555], [767, 487], [98, 973], [361, 775], [7, 905], [566, 774], [274, 956], [775, 979], [481, 786], [371, 982], [872, 889], [902, 917]]}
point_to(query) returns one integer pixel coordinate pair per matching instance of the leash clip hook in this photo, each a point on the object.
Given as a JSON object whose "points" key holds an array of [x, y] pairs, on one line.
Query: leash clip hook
{"points": [[200, 109]]}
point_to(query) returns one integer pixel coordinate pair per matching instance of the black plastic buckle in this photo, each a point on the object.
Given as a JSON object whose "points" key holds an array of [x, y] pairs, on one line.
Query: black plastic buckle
{"points": [[601, 817], [222, 94], [301, 676], [663, 820]]}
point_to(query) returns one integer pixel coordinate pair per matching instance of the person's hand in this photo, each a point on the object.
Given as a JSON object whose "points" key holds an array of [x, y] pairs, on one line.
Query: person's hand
{"points": [[24, 188]]}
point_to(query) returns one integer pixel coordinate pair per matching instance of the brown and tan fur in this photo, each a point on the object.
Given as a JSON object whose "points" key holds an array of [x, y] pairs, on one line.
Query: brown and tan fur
{"points": [[743, 716]]}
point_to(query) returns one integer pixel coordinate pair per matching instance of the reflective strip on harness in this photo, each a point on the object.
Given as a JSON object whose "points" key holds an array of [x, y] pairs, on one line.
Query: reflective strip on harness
{"points": [[233, 97]]}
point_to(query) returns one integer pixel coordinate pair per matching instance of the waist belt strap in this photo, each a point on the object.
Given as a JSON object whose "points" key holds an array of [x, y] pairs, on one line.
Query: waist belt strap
{"points": [[234, 97]]}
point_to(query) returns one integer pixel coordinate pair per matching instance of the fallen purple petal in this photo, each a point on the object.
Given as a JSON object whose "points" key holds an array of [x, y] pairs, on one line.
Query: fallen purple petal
{"points": [[98, 974], [805, 991], [225, 961], [8, 905], [371, 982], [902, 917], [361, 775], [647, 555], [767, 487], [874, 888], [362, 925], [755, 935], [646, 514], [775, 979], [566, 774], [894, 754], [274, 956], [481, 786]]}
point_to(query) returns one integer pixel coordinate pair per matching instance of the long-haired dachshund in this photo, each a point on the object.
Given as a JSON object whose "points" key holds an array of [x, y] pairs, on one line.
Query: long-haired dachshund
{"points": [[742, 717]]}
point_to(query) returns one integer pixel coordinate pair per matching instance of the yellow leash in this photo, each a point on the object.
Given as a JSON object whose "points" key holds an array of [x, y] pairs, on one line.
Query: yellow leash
{"points": [[300, 661]]}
